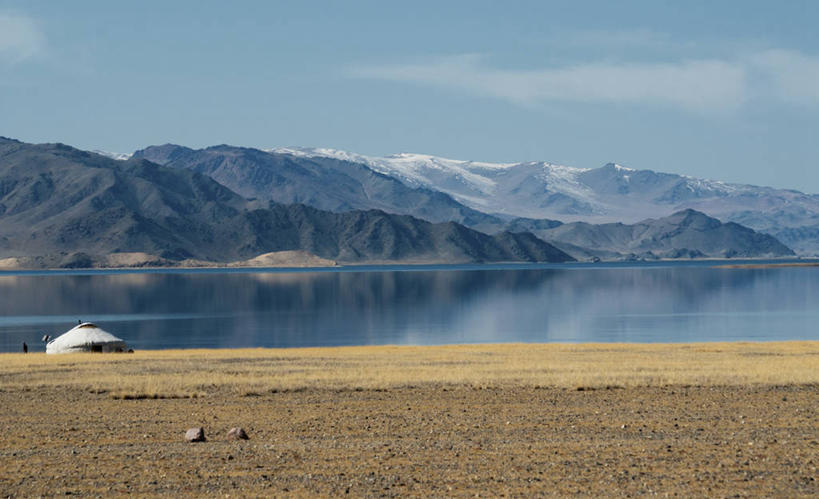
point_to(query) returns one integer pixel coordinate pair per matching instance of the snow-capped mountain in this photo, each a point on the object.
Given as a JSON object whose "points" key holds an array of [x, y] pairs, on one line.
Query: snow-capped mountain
{"points": [[541, 189], [321, 182], [505, 188], [612, 193], [89, 207], [119, 156]]}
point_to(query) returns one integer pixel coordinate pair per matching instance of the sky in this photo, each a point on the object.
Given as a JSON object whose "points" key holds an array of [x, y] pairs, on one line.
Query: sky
{"points": [[723, 90]]}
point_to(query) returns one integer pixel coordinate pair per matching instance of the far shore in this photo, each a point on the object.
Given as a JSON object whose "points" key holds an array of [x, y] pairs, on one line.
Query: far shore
{"points": [[306, 264], [769, 265]]}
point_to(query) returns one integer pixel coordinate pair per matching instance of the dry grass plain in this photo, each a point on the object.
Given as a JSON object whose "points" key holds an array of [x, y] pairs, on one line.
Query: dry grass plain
{"points": [[714, 419]]}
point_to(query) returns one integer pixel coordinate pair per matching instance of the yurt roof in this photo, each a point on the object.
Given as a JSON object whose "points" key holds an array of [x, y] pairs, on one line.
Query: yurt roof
{"points": [[82, 335]]}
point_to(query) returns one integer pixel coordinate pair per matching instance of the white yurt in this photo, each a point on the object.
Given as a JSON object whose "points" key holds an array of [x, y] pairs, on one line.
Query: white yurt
{"points": [[86, 337]]}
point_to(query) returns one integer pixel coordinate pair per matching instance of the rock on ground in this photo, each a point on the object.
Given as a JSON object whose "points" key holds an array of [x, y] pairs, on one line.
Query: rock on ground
{"points": [[195, 435], [237, 434]]}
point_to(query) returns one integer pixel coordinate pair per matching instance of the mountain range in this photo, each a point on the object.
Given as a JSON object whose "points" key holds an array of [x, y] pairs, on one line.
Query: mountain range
{"points": [[685, 234], [74, 208], [611, 193], [61, 206], [403, 184], [325, 183]]}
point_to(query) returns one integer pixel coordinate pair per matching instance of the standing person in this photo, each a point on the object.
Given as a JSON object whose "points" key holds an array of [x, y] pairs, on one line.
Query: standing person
{"points": [[25, 347]]}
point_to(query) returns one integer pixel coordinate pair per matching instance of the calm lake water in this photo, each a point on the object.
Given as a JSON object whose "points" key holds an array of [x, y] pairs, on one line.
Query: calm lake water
{"points": [[682, 302]]}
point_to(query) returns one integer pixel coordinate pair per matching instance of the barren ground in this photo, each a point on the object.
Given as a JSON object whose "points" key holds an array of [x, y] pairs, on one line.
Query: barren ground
{"points": [[75, 437]]}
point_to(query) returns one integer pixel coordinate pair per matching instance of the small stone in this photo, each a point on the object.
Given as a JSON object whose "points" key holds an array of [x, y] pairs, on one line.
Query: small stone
{"points": [[195, 435], [237, 434]]}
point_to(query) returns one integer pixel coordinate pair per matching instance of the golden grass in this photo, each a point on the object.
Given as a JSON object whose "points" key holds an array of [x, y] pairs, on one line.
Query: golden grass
{"points": [[191, 373]]}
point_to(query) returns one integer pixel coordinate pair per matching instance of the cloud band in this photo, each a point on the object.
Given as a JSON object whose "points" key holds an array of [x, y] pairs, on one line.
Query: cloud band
{"points": [[695, 85]]}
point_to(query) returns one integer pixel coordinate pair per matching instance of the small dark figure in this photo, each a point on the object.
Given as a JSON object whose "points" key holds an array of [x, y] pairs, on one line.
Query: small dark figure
{"points": [[46, 338], [79, 321], [25, 347]]}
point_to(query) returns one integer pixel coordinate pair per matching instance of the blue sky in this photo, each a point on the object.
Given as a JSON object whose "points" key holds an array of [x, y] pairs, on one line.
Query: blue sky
{"points": [[726, 90]]}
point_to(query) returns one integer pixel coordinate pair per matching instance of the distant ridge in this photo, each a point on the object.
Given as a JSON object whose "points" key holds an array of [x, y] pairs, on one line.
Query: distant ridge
{"points": [[341, 181], [685, 234], [325, 183], [63, 207], [611, 193], [71, 208], [485, 196]]}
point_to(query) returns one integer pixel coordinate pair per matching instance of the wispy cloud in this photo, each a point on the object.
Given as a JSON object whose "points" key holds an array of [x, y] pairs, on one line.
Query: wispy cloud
{"points": [[20, 38], [790, 76], [699, 85]]}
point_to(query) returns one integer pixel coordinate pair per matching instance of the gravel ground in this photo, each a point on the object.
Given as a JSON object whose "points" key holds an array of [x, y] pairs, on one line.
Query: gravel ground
{"points": [[416, 441]]}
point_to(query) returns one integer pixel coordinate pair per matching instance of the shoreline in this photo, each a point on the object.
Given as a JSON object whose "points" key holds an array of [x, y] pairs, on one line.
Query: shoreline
{"points": [[718, 263], [228, 351], [769, 265]]}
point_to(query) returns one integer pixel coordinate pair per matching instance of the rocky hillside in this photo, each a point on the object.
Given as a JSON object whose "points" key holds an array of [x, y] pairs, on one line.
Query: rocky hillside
{"points": [[685, 234], [611, 193], [325, 183], [58, 200]]}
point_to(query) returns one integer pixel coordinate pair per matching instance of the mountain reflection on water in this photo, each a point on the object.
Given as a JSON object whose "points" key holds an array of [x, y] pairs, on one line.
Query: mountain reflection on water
{"points": [[279, 309]]}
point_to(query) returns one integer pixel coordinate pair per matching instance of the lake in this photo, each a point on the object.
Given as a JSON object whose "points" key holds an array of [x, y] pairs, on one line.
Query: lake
{"points": [[657, 302]]}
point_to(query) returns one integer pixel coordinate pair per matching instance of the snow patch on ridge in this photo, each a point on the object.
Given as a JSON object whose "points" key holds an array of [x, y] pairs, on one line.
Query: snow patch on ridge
{"points": [[482, 185], [611, 193], [119, 156]]}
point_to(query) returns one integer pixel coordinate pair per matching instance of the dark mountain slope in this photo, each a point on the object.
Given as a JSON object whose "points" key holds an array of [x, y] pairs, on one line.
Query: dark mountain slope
{"points": [[325, 183], [55, 199], [687, 233], [362, 235], [607, 194]]}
